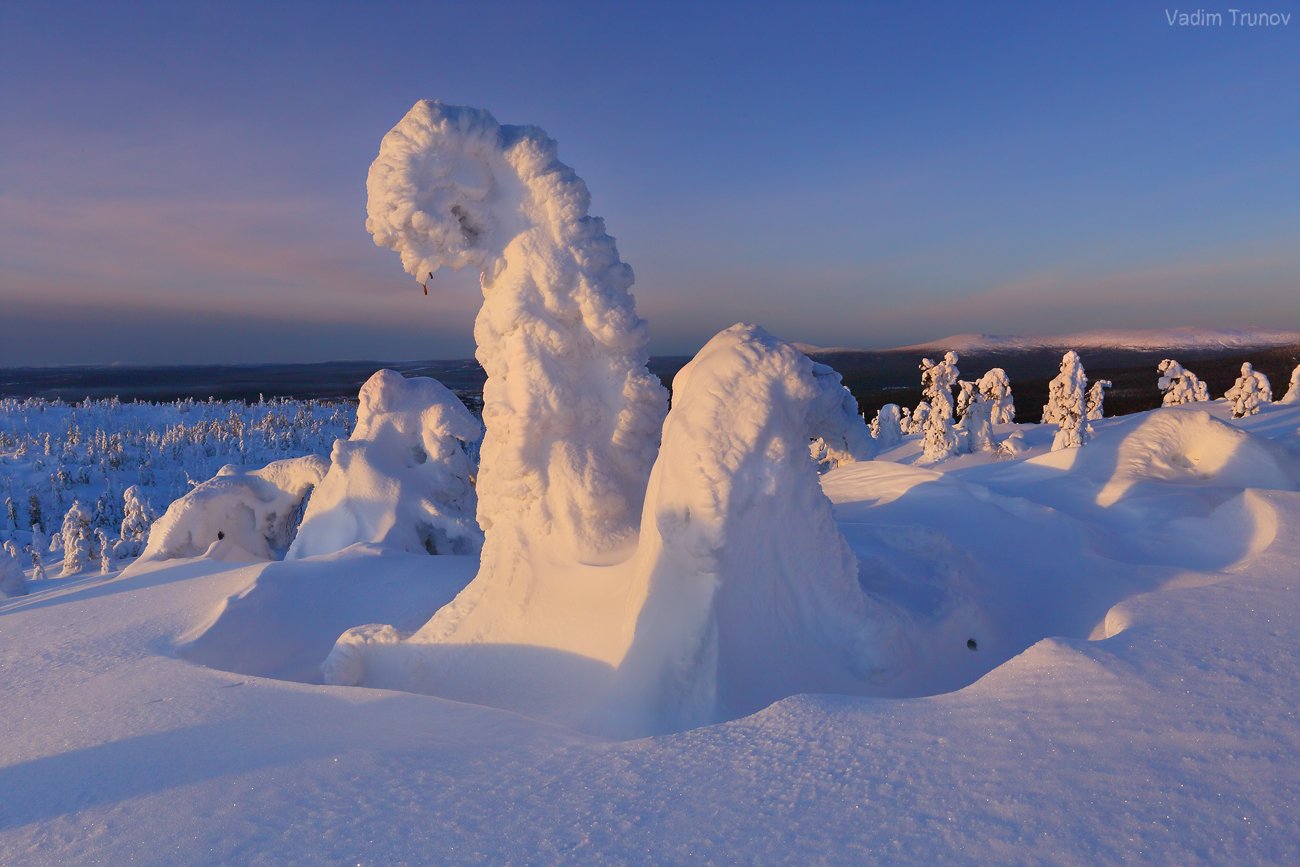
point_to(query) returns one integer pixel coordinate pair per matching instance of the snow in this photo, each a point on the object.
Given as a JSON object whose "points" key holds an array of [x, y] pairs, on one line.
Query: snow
{"points": [[1126, 700], [403, 479], [239, 514], [1148, 339]]}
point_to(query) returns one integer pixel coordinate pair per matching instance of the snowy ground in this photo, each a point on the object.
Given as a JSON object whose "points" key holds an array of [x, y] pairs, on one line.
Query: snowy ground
{"points": [[1130, 695]]}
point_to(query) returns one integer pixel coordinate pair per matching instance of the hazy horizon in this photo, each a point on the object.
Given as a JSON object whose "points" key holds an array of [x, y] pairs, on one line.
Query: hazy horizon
{"points": [[847, 175]]}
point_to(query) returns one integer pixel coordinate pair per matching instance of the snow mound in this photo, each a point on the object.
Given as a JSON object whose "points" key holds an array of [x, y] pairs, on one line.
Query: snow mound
{"points": [[238, 512], [403, 479]]}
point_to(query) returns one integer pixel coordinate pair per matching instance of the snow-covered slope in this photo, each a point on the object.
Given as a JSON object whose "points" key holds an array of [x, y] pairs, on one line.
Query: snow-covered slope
{"points": [[1129, 694], [1152, 339]]}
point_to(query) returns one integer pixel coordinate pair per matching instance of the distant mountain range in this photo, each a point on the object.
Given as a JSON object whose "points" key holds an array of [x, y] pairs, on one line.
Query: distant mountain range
{"points": [[1133, 339]]}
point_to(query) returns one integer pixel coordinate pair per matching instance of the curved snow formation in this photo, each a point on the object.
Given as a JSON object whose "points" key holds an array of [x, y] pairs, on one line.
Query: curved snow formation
{"points": [[572, 415], [741, 590], [403, 479], [254, 512]]}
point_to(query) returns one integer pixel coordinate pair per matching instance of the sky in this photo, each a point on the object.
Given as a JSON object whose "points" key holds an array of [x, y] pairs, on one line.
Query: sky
{"points": [[185, 182]]}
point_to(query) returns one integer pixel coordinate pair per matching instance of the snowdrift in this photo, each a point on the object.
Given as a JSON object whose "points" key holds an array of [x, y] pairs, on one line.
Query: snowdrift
{"points": [[403, 480], [238, 514]]}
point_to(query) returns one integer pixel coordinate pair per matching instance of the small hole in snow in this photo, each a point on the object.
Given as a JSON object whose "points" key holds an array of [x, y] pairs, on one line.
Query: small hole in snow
{"points": [[970, 644], [221, 534]]}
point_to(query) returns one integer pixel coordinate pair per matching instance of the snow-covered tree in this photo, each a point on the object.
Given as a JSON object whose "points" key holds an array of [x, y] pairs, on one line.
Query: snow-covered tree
{"points": [[996, 386], [34, 513], [977, 423], [1293, 393], [887, 426], [917, 417], [105, 551], [1179, 384], [75, 539], [1066, 404], [1096, 399], [11, 516], [940, 438], [12, 580], [1250, 390], [137, 517], [36, 549]]}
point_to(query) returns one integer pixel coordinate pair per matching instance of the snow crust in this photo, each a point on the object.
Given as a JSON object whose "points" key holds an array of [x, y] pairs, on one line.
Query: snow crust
{"points": [[238, 514], [403, 479]]}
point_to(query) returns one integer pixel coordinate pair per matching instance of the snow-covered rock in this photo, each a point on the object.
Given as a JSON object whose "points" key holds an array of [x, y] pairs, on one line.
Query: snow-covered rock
{"points": [[253, 512], [403, 479]]}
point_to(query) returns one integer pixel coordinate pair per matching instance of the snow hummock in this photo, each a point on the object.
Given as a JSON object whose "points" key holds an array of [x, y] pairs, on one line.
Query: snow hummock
{"points": [[403, 479], [238, 514]]}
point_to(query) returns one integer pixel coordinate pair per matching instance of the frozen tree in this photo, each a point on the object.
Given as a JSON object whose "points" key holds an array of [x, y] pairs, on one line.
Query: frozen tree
{"points": [[977, 423], [75, 536], [1066, 404], [995, 385], [1179, 384], [905, 421], [572, 415], [1097, 398], [11, 516], [940, 438], [105, 551], [1250, 390], [887, 426], [12, 580], [36, 549], [1293, 393], [136, 519]]}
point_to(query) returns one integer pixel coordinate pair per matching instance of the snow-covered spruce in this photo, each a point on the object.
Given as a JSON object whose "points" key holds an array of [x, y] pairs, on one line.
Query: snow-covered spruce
{"points": [[1096, 399], [75, 539], [137, 517], [1066, 404], [1179, 384], [13, 582], [940, 440], [1250, 390], [572, 415], [976, 423], [887, 426], [403, 479], [238, 514], [1293, 393], [995, 385]]}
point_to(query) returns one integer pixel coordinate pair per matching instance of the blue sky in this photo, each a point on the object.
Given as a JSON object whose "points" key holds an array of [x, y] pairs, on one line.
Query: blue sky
{"points": [[184, 182]]}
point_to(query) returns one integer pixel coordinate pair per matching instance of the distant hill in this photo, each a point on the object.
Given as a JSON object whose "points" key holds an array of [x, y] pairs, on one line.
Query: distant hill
{"points": [[1134, 339]]}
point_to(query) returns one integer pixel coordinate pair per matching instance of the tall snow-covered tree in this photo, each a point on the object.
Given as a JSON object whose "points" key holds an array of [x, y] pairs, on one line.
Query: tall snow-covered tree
{"points": [[977, 423], [1293, 393], [75, 539], [1250, 390], [1067, 404], [940, 438], [996, 386], [137, 517], [11, 516], [1096, 399], [1179, 384], [887, 426]]}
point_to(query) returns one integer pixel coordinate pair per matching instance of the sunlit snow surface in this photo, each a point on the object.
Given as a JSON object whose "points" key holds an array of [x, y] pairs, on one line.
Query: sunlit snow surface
{"points": [[1130, 697]]}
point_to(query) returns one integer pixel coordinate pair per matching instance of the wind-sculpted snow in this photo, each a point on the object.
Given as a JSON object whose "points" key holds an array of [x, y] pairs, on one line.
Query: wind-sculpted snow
{"points": [[741, 590], [238, 514], [572, 415], [403, 479], [750, 592]]}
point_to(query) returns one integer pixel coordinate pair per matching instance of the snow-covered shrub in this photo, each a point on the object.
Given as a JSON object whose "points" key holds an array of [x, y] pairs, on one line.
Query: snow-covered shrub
{"points": [[137, 517], [255, 512], [1179, 384], [887, 426], [1293, 393], [995, 385], [1250, 390], [12, 580], [1096, 403], [403, 479], [940, 440], [1066, 404]]}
